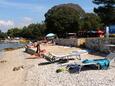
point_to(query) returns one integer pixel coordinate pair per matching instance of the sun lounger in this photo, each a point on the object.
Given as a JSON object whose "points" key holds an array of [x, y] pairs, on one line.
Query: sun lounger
{"points": [[49, 57], [75, 54], [111, 56], [84, 51], [53, 57], [56, 58], [30, 51]]}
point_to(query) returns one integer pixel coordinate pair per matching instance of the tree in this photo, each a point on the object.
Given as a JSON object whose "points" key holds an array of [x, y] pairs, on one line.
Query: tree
{"points": [[38, 31], [106, 10], [91, 21], [63, 18], [14, 32], [10, 33], [26, 33], [2, 35], [33, 31]]}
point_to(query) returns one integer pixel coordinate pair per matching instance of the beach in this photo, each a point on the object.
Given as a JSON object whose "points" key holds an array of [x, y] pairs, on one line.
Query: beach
{"points": [[30, 73]]}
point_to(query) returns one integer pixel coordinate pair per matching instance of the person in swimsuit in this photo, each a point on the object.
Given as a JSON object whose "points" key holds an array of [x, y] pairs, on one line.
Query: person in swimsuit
{"points": [[39, 52]]}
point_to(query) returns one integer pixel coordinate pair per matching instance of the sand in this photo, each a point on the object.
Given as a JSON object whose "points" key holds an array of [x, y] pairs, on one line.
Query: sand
{"points": [[29, 73]]}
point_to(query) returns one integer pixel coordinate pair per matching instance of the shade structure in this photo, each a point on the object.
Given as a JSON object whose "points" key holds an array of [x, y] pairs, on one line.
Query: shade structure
{"points": [[50, 35]]}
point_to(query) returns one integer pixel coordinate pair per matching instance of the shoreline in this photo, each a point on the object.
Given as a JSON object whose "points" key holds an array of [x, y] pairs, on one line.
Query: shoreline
{"points": [[6, 46]]}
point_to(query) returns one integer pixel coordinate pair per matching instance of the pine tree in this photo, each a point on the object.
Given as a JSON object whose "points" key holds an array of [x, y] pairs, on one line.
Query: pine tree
{"points": [[106, 11]]}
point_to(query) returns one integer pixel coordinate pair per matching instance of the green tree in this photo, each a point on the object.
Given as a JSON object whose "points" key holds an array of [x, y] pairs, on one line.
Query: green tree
{"points": [[27, 32], [63, 18], [14, 32], [91, 21], [10, 33], [106, 10], [33, 31], [3, 35]]}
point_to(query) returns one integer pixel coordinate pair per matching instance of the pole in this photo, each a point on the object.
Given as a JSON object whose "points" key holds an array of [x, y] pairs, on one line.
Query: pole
{"points": [[107, 35]]}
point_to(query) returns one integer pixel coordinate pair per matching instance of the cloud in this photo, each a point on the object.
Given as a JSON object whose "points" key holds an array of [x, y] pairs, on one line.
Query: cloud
{"points": [[7, 24], [24, 22], [27, 19]]}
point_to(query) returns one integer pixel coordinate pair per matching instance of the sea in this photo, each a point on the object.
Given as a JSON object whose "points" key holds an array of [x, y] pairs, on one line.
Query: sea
{"points": [[4, 45]]}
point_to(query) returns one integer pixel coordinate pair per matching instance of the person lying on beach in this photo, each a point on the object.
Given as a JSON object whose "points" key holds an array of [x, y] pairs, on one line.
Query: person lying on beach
{"points": [[31, 45]]}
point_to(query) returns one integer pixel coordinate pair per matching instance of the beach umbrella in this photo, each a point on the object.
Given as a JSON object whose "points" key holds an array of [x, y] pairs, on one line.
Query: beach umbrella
{"points": [[50, 35]]}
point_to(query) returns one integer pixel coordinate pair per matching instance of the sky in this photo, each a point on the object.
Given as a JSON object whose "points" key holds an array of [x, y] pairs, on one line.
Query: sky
{"points": [[19, 13]]}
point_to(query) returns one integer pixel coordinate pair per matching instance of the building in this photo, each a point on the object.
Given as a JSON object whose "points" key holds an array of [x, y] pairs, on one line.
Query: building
{"points": [[112, 29]]}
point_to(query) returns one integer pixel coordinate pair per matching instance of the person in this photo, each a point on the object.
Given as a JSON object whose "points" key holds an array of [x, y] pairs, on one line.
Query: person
{"points": [[39, 52], [38, 48], [31, 45]]}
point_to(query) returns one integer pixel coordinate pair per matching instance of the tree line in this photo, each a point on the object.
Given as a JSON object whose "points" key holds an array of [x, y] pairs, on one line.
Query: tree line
{"points": [[32, 31], [68, 18]]}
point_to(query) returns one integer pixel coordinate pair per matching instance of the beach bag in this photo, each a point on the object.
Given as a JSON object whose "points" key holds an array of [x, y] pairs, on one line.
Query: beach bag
{"points": [[74, 68]]}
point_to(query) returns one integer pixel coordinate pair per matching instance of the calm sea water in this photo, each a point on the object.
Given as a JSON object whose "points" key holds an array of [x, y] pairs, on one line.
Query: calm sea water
{"points": [[9, 45]]}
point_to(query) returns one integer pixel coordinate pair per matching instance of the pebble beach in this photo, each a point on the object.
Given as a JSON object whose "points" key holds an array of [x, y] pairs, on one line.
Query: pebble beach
{"points": [[30, 73]]}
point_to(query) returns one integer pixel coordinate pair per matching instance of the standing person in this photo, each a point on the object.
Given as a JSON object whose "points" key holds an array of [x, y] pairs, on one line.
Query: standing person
{"points": [[38, 48], [39, 52]]}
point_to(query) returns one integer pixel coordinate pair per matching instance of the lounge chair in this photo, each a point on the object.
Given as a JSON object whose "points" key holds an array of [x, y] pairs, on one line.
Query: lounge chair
{"points": [[111, 56], [56, 57], [30, 51]]}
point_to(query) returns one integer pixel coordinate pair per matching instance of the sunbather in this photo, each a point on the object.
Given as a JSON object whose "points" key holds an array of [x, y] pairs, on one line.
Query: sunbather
{"points": [[38, 53], [31, 45]]}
